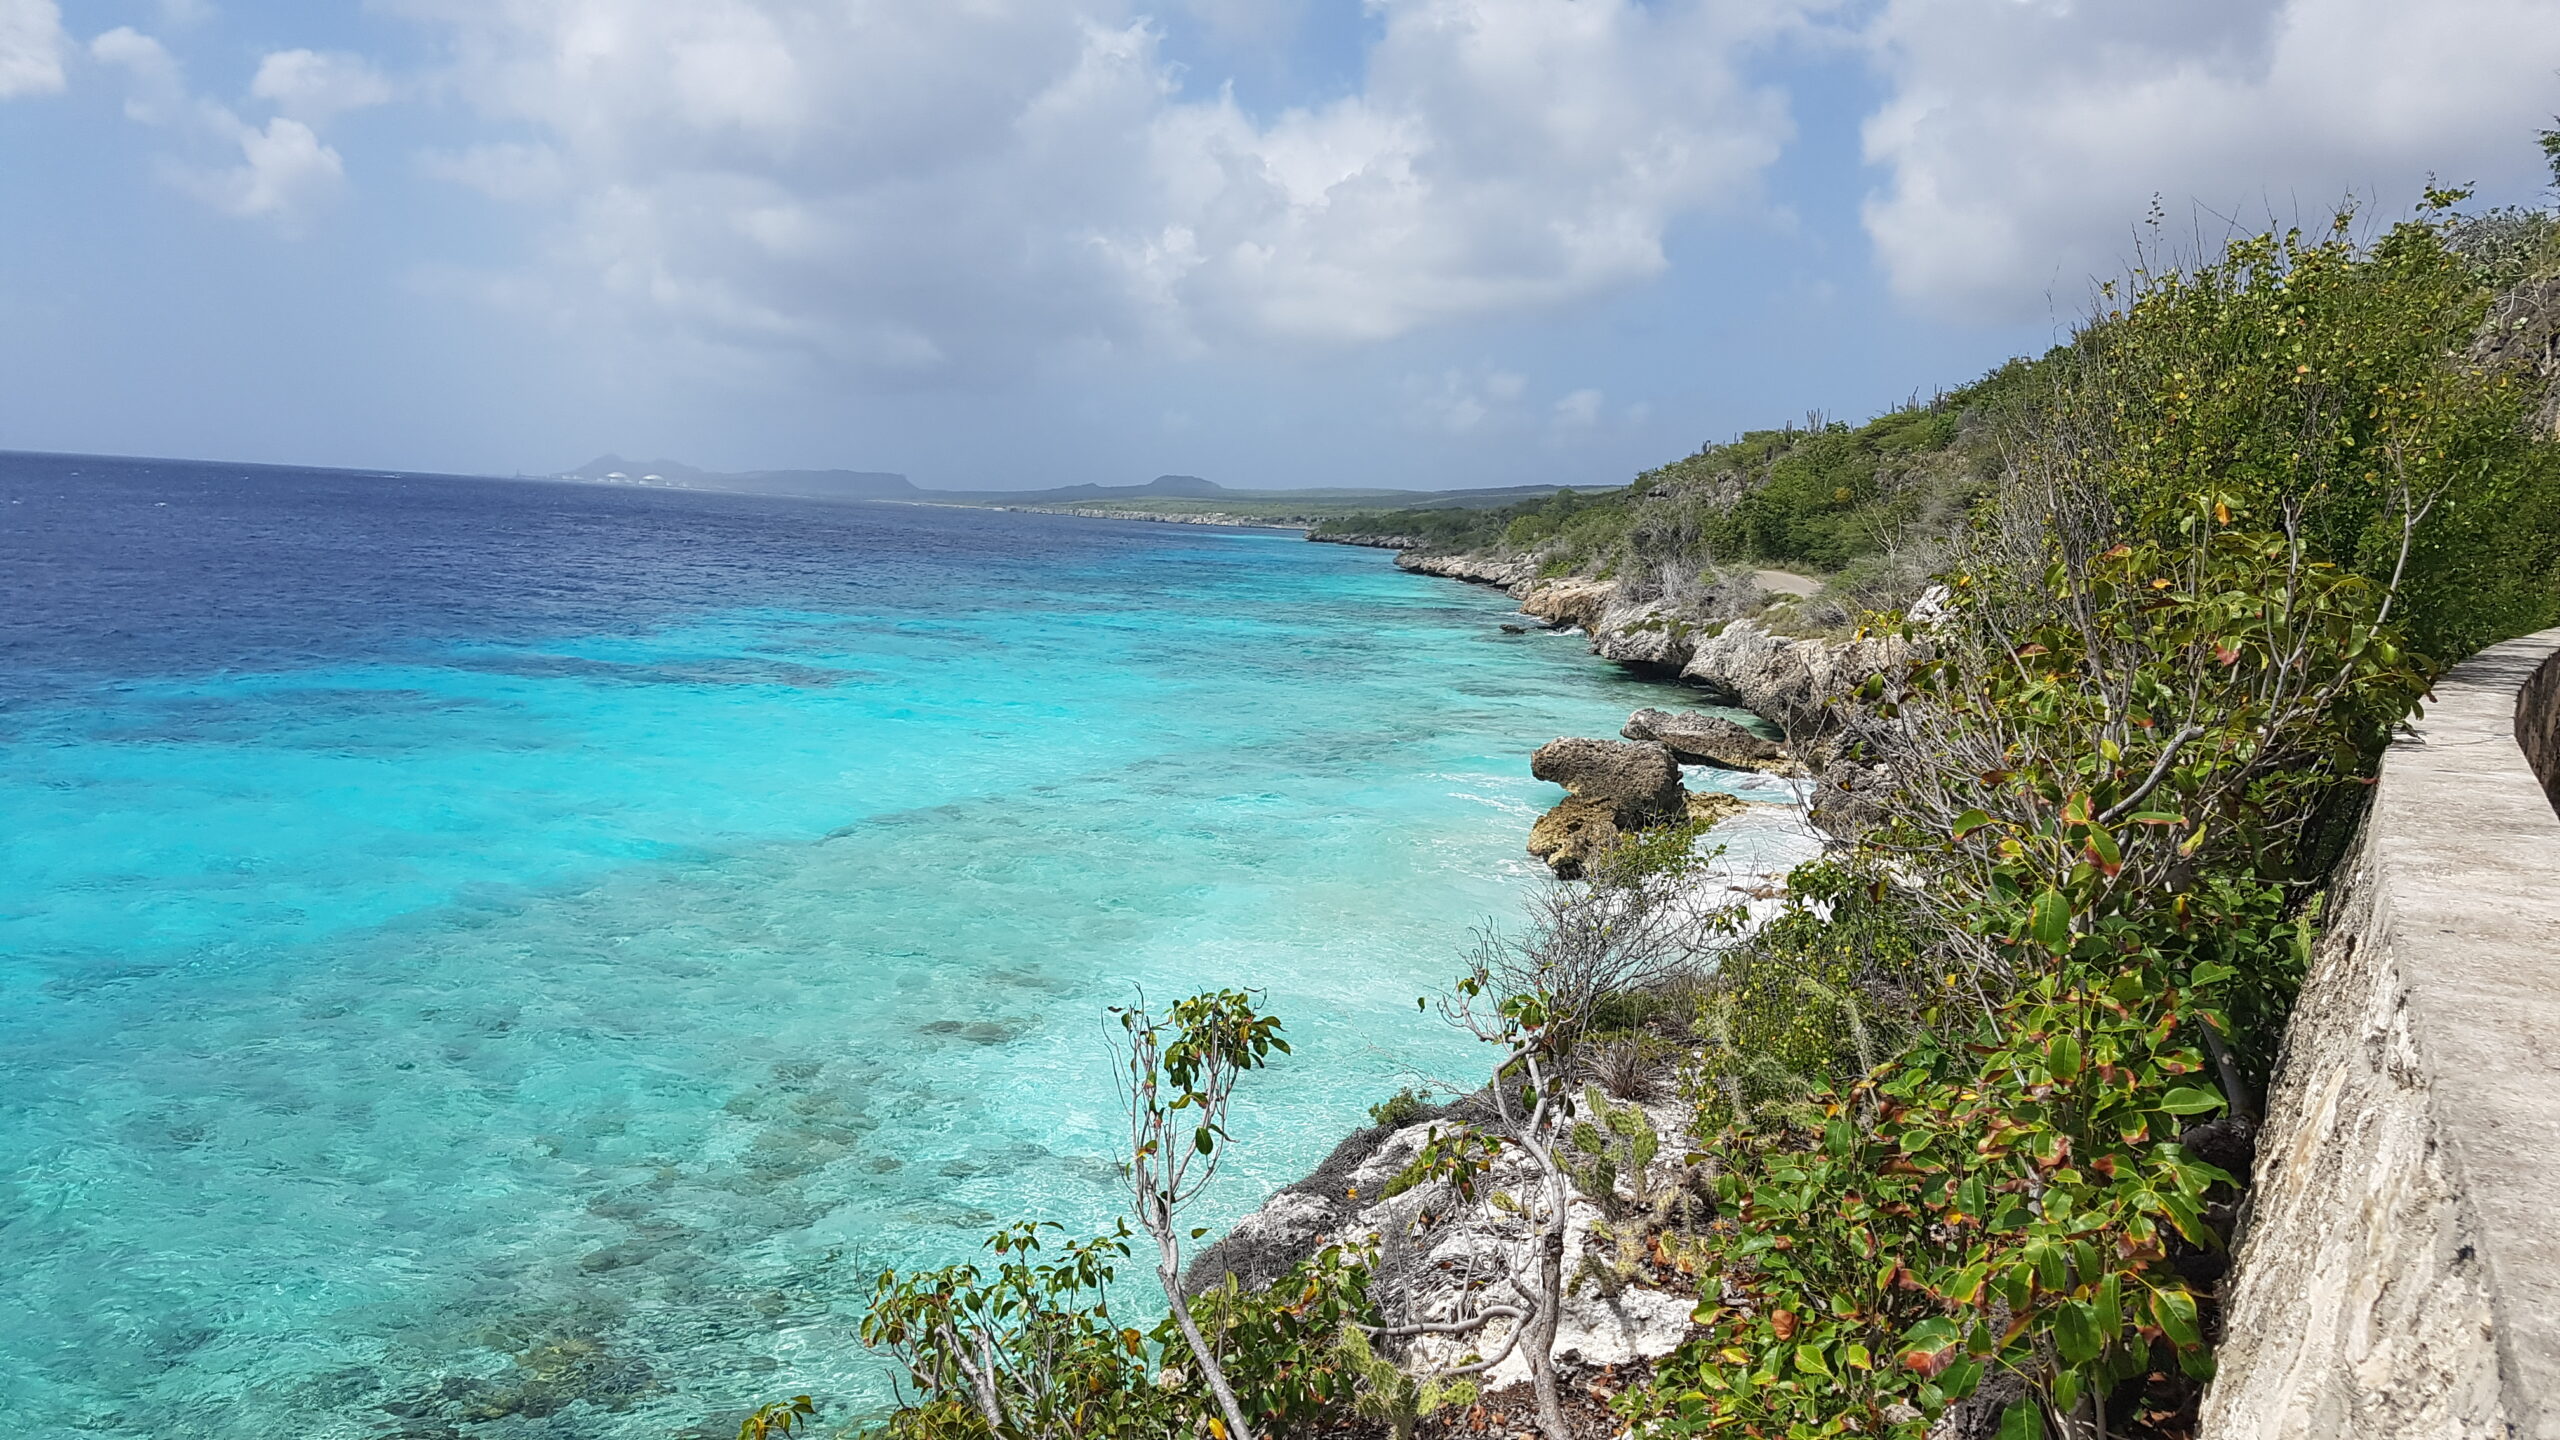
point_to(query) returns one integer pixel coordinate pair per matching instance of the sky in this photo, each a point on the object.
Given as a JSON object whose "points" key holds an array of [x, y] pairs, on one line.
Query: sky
{"points": [[1019, 243]]}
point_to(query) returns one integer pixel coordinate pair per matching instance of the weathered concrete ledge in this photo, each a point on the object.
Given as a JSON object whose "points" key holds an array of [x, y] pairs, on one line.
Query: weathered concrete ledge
{"points": [[2399, 1272]]}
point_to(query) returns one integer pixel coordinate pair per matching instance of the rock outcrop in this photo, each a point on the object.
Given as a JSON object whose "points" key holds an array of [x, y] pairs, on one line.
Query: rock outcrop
{"points": [[1799, 683], [1574, 834], [1511, 574], [1575, 603], [1714, 807], [1435, 1247], [1616, 788], [2523, 331], [1795, 682], [1640, 779], [1696, 739], [1791, 681]]}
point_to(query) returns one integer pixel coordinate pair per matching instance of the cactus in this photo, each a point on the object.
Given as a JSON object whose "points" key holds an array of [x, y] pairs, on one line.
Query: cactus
{"points": [[1620, 1147], [1385, 1393]]}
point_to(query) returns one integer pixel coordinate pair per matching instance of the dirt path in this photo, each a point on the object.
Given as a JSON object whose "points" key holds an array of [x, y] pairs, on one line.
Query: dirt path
{"points": [[1786, 582]]}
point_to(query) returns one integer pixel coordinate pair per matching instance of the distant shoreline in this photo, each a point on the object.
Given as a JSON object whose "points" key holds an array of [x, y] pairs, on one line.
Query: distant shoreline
{"points": [[1240, 522]]}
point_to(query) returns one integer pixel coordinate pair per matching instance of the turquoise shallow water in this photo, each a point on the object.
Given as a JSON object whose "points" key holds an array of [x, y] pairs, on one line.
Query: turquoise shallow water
{"points": [[539, 1009]]}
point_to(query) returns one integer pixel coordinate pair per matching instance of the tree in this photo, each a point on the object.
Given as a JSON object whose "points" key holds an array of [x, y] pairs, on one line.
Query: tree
{"points": [[1182, 1072]]}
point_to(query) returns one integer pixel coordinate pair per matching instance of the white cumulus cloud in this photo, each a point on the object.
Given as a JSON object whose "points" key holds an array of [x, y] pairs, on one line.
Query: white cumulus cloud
{"points": [[2024, 139], [1579, 410], [1460, 402], [283, 170], [310, 86], [31, 47], [156, 91], [944, 191]]}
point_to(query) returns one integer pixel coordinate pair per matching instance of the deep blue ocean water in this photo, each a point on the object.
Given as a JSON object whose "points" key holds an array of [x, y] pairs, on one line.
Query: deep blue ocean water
{"points": [[489, 958]]}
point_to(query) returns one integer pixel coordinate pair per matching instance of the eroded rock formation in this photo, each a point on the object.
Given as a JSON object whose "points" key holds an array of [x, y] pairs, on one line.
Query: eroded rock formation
{"points": [[1640, 778], [1696, 739]]}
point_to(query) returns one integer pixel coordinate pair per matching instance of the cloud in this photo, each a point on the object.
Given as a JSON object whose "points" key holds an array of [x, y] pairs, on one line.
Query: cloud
{"points": [[310, 86], [943, 193], [1458, 402], [502, 170], [1579, 410], [284, 170], [2024, 138], [157, 90], [31, 46]]}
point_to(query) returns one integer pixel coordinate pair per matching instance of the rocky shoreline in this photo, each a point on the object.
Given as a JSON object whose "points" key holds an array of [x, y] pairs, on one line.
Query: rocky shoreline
{"points": [[1796, 683], [1429, 1240], [1167, 517]]}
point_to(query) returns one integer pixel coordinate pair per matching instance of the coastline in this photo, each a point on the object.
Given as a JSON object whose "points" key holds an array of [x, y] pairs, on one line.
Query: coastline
{"points": [[1633, 1326], [1159, 517]]}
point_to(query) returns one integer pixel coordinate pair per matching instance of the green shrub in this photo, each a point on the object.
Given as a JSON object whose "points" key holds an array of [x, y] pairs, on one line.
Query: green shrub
{"points": [[1952, 1090], [1400, 1109], [1058, 1364]]}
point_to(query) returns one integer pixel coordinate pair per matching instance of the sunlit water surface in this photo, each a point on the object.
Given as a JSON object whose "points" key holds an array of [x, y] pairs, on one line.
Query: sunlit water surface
{"points": [[499, 959]]}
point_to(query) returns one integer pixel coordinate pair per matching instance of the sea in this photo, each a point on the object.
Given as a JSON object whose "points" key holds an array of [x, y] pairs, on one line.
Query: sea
{"points": [[494, 958]]}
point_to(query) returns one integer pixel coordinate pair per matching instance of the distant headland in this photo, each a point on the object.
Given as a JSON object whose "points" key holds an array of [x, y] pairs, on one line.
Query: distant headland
{"points": [[1166, 497]]}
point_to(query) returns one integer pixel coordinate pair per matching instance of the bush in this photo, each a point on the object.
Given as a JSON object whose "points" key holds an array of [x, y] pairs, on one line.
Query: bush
{"points": [[1401, 1109], [1036, 1341], [1963, 1094]]}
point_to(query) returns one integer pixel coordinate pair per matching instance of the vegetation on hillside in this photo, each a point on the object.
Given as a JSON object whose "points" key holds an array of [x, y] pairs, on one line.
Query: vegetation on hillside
{"points": [[2253, 510], [1978, 1106], [1823, 496]]}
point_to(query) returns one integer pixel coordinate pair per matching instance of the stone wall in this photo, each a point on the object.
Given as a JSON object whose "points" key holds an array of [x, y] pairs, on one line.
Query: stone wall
{"points": [[2399, 1266]]}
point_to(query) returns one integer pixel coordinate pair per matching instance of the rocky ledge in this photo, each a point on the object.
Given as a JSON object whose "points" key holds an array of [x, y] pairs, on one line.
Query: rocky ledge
{"points": [[1510, 574], [1437, 1252], [1614, 788], [1696, 739], [1788, 680], [1796, 683]]}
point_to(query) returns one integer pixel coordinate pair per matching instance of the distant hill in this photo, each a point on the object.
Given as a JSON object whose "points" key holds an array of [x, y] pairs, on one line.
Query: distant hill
{"points": [[811, 484], [882, 485], [1188, 487]]}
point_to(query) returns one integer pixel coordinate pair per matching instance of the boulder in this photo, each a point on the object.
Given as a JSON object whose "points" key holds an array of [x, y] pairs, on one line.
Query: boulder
{"points": [[1639, 779], [1715, 807], [1564, 603], [1696, 739], [1574, 834]]}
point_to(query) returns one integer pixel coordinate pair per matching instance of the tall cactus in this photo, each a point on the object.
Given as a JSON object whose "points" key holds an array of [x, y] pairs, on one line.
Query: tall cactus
{"points": [[1619, 1147]]}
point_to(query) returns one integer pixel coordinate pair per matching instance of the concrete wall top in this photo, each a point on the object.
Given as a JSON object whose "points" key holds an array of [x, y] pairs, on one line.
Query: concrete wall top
{"points": [[2465, 850]]}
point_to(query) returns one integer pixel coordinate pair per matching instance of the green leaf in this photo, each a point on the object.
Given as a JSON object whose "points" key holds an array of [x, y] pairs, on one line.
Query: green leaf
{"points": [[2190, 1222], [2062, 1057], [1968, 822], [2210, 972], [2190, 1100], [2049, 924], [2023, 1420], [1200, 1139], [2075, 1331], [2174, 1311], [1810, 1360]]}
